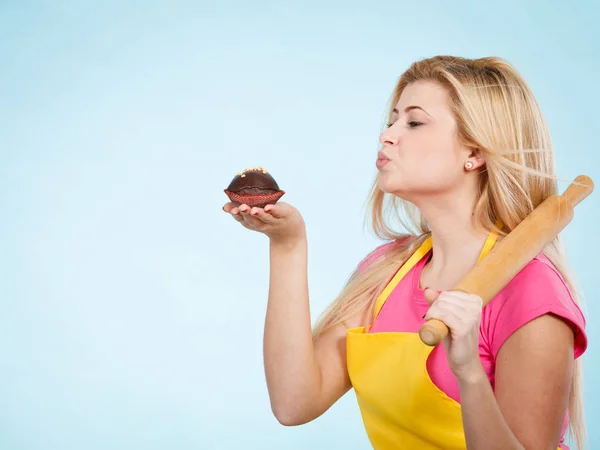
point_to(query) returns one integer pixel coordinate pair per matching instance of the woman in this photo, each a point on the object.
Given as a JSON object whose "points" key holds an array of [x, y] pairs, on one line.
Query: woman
{"points": [[466, 156]]}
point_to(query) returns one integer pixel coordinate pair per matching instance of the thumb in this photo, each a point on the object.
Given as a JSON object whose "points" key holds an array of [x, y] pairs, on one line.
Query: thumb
{"points": [[430, 295]]}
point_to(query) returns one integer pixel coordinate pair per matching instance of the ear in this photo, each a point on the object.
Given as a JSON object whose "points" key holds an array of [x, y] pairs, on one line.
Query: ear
{"points": [[476, 157]]}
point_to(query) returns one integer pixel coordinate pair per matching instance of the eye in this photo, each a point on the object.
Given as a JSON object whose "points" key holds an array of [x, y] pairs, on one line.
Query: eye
{"points": [[411, 124]]}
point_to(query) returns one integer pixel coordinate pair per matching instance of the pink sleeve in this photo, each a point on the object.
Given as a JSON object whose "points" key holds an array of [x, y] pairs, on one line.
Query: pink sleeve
{"points": [[374, 255], [379, 252], [537, 290]]}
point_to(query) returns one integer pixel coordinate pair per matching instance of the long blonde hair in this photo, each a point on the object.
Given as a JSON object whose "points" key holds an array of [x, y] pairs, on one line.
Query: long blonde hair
{"points": [[496, 112]]}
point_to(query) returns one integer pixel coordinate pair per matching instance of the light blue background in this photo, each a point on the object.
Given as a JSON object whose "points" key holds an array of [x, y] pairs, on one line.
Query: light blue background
{"points": [[132, 307]]}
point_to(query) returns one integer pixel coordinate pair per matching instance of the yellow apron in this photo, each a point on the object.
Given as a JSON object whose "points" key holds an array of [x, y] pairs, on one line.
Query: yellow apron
{"points": [[400, 406]]}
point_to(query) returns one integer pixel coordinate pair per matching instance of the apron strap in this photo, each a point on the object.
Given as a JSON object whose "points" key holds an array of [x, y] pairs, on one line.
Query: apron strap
{"points": [[409, 264], [491, 240], [418, 255]]}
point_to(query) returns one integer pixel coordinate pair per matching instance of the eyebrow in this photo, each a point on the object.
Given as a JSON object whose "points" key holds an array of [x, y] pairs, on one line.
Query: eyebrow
{"points": [[410, 108]]}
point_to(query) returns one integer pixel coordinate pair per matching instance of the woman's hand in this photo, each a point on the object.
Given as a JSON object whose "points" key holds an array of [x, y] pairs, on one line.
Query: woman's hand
{"points": [[461, 313], [281, 222]]}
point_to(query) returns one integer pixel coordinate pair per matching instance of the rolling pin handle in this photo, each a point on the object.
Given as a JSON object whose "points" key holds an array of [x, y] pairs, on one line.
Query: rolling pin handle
{"points": [[579, 189], [433, 331]]}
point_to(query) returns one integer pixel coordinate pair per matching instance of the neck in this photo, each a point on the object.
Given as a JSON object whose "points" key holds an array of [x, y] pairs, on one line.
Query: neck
{"points": [[457, 239]]}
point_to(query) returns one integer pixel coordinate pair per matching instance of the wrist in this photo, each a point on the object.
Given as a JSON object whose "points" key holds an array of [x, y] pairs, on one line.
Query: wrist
{"points": [[472, 374], [288, 244]]}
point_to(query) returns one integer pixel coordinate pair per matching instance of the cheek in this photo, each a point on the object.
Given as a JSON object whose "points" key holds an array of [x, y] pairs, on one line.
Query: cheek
{"points": [[432, 166], [429, 156], [432, 146]]}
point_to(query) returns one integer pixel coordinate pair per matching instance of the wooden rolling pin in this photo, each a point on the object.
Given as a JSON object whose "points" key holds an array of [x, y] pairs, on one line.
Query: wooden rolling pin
{"points": [[510, 255]]}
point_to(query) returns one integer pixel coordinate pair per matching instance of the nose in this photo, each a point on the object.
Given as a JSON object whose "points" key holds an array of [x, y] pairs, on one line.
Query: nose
{"points": [[388, 137]]}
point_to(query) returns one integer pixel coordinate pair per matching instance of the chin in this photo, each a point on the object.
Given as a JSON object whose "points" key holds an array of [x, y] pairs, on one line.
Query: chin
{"points": [[388, 185], [399, 190]]}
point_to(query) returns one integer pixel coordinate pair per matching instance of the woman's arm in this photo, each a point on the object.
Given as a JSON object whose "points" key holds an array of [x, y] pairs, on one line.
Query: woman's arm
{"points": [[533, 374], [303, 379], [533, 379]]}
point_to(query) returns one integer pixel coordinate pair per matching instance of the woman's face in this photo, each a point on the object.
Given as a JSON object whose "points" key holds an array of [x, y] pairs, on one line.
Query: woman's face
{"points": [[420, 153]]}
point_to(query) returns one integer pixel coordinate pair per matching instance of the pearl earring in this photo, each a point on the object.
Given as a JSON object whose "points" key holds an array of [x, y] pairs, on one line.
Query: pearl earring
{"points": [[469, 165]]}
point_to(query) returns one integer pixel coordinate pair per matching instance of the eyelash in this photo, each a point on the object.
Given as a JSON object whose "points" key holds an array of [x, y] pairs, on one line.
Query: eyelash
{"points": [[409, 123]]}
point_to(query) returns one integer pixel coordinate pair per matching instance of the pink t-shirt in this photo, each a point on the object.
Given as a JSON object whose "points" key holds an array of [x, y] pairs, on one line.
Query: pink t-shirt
{"points": [[537, 290]]}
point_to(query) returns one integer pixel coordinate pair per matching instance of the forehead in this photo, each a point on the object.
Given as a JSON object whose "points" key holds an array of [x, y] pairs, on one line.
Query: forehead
{"points": [[429, 95]]}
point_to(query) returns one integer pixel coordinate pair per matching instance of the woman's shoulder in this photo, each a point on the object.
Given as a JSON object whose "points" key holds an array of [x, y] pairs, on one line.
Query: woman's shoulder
{"points": [[538, 289], [541, 277]]}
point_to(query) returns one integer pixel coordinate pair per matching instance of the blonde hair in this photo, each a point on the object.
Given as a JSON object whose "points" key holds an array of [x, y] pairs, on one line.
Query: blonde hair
{"points": [[496, 112]]}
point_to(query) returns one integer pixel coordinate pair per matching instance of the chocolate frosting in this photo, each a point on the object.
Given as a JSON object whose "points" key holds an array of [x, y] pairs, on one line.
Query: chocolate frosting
{"points": [[255, 181]]}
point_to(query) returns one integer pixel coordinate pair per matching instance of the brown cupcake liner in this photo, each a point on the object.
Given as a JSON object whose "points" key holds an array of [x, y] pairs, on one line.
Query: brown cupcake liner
{"points": [[254, 200]]}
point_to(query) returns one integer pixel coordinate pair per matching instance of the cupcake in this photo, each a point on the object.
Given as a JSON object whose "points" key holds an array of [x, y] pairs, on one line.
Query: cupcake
{"points": [[254, 187]]}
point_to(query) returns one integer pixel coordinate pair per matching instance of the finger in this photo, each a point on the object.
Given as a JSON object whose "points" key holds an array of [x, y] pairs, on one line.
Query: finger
{"points": [[443, 301], [243, 208], [278, 210], [447, 341], [261, 215], [450, 318], [430, 295], [228, 207], [461, 300], [247, 225], [441, 306], [234, 211], [446, 302], [245, 221], [250, 220]]}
